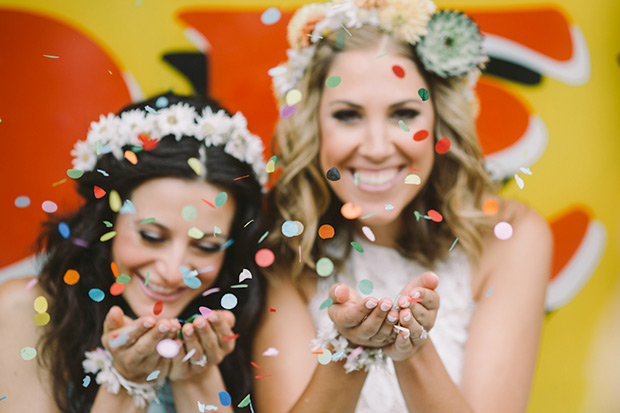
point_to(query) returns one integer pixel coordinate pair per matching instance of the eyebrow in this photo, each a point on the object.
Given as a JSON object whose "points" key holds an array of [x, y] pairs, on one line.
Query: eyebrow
{"points": [[164, 228], [393, 105]]}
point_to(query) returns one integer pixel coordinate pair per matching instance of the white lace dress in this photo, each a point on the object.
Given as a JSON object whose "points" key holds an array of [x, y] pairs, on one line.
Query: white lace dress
{"points": [[389, 273]]}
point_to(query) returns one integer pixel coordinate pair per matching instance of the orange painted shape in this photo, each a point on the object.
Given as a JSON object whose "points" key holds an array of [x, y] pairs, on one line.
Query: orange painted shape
{"points": [[543, 29], [569, 230]]}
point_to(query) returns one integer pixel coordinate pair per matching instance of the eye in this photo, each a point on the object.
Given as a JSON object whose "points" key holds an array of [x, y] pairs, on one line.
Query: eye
{"points": [[209, 247], [150, 237], [346, 115], [405, 114]]}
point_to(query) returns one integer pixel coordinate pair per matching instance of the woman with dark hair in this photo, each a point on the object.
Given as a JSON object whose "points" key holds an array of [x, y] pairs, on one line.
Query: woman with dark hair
{"points": [[156, 266]]}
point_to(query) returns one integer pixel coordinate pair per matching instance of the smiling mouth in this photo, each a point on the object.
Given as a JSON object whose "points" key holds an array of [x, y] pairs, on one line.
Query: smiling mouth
{"points": [[375, 179], [161, 290]]}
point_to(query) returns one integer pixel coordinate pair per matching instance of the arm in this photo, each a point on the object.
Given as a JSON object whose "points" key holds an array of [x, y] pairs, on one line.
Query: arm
{"points": [[501, 352], [297, 382]]}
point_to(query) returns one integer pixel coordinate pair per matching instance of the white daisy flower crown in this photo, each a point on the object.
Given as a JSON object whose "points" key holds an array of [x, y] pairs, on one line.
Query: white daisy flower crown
{"points": [[448, 43], [135, 127]]}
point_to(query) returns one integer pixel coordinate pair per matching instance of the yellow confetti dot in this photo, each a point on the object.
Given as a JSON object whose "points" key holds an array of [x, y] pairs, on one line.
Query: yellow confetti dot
{"points": [[40, 304], [271, 166], [115, 201], [195, 164], [293, 97], [195, 233], [107, 236], [41, 319]]}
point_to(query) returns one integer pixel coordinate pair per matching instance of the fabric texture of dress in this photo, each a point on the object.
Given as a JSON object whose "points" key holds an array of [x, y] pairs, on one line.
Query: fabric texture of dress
{"points": [[389, 272]]}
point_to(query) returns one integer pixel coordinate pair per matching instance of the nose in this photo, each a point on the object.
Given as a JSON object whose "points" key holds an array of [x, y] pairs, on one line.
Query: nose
{"points": [[377, 144], [169, 262]]}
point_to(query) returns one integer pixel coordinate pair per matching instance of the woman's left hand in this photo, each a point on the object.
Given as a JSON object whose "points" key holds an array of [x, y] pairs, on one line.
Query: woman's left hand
{"points": [[210, 339]]}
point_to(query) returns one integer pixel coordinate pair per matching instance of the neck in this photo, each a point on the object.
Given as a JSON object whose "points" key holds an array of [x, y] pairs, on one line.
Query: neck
{"points": [[386, 235]]}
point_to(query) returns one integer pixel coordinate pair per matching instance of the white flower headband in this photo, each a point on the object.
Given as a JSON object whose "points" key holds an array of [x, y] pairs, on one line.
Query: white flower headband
{"points": [[136, 128], [448, 43]]}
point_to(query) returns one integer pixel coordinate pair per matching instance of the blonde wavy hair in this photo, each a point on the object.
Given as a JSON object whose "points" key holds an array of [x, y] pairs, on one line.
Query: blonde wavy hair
{"points": [[457, 185]]}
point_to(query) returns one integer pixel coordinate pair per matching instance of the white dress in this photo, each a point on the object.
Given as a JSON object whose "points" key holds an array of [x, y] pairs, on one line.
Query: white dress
{"points": [[389, 272]]}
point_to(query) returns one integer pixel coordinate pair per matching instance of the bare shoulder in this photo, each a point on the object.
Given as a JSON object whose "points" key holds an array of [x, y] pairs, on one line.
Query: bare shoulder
{"points": [[24, 382]]}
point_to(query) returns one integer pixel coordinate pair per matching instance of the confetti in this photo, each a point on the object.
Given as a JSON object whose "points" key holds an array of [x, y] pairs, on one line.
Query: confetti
{"points": [[244, 402], [221, 199], [189, 355], [195, 164], [358, 350], [232, 337], [365, 287], [241, 177], [31, 283], [423, 93], [287, 111], [490, 290], [98, 192], [333, 174], [195, 233], [189, 212], [127, 208], [22, 201], [293, 97], [96, 295], [325, 357], [262, 238], [41, 319], [413, 179], [62, 181], [434, 215], [256, 365], [75, 173], [350, 211], [264, 257], [158, 308], [270, 167], [205, 311], [271, 352], [442, 146], [115, 201], [454, 243], [120, 340], [168, 348], [526, 171], [116, 289], [28, 353], [382, 55], [503, 230], [325, 304], [131, 157], [40, 304], [277, 71], [146, 279], [64, 230], [270, 16], [403, 126], [51, 56], [225, 398], [490, 207], [368, 233], [49, 207], [107, 236], [357, 247], [2, 398], [151, 110], [86, 381], [229, 301], [389, 207], [519, 181], [102, 172], [161, 102], [245, 275], [227, 244], [333, 81], [292, 228], [420, 135], [324, 267], [108, 224], [398, 71], [401, 328], [190, 278], [153, 376], [356, 178]]}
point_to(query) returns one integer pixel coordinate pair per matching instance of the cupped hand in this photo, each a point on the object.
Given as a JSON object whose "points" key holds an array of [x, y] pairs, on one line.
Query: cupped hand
{"points": [[366, 322], [132, 343], [206, 342], [420, 297]]}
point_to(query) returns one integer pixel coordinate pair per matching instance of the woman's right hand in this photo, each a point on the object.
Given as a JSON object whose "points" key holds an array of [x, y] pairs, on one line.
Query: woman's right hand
{"points": [[132, 344]]}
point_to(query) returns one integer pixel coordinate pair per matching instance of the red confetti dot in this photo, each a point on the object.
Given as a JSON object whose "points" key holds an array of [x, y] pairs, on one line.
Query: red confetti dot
{"points": [[232, 337], [264, 258], [273, 310], [442, 146], [158, 307], [99, 192], [398, 71], [117, 289], [256, 365], [420, 135], [208, 203], [434, 215]]}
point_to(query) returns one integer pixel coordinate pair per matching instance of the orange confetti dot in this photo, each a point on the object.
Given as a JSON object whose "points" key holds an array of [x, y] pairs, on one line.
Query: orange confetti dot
{"points": [[326, 231], [114, 269], [117, 289], [434, 215], [99, 192], [490, 207], [350, 211], [71, 277], [131, 157]]}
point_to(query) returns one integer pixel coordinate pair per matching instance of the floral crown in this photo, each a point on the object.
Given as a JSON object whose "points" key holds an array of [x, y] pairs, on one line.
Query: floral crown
{"points": [[447, 43], [141, 129]]}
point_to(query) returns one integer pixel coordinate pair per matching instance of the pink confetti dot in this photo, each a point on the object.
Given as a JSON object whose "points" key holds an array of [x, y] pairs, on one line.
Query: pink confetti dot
{"points": [[264, 258], [503, 231], [49, 207], [168, 348]]}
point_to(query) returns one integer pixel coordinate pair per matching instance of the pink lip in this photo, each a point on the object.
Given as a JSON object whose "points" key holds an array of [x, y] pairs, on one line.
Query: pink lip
{"points": [[379, 188], [157, 296]]}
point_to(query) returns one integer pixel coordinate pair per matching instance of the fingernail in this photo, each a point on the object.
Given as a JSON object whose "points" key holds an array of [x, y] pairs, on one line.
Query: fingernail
{"points": [[214, 318], [371, 304], [406, 304], [391, 318], [148, 324], [385, 306], [201, 322], [407, 334], [435, 275], [189, 332], [336, 291], [163, 328], [416, 295], [407, 316]]}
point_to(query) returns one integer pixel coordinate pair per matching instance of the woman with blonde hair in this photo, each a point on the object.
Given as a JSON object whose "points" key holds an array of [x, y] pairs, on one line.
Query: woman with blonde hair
{"points": [[381, 164]]}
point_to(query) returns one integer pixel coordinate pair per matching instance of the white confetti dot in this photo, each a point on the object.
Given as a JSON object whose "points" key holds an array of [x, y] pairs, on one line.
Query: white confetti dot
{"points": [[49, 207], [369, 234], [168, 348], [503, 231]]}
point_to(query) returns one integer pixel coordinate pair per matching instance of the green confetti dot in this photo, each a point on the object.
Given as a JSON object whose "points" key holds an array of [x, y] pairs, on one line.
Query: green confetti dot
{"points": [[147, 221], [333, 81], [403, 126], [75, 173], [244, 402], [108, 224], [357, 247], [324, 267], [325, 357], [365, 287], [424, 95], [107, 236], [326, 304], [220, 199], [123, 279], [262, 238], [189, 212], [28, 353]]}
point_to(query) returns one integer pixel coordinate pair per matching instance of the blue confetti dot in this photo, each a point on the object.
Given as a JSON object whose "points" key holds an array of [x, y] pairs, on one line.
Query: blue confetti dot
{"points": [[225, 398], [96, 295], [270, 16], [289, 228], [229, 301], [64, 230], [161, 102], [22, 202], [154, 375], [86, 381], [192, 282]]}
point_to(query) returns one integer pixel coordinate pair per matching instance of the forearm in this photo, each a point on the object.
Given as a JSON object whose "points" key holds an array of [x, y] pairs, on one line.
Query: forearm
{"points": [[426, 385], [331, 389], [202, 389], [106, 402]]}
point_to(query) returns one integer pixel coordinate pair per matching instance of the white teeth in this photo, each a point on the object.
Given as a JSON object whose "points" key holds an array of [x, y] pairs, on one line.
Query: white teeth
{"points": [[377, 177], [161, 290]]}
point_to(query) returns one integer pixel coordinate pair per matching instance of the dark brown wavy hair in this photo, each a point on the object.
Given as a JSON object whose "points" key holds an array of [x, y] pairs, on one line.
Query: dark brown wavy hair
{"points": [[76, 323]]}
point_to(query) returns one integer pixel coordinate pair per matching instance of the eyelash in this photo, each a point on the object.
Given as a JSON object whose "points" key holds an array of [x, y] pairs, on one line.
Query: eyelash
{"points": [[403, 114], [349, 115], [210, 248]]}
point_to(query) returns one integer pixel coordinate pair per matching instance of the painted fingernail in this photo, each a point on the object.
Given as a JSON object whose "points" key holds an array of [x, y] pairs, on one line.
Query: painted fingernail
{"points": [[407, 316], [406, 304], [189, 332], [385, 306], [201, 323], [214, 318], [435, 275], [416, 295], [407, 334], [163, 328], [371, 304], [336, 291], [391, 318], [148, 324]]}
